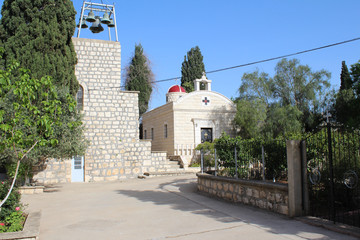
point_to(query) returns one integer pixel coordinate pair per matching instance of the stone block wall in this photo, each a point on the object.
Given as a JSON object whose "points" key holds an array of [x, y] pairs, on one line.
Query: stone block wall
{"points": [[52, 171], [265, 195], [110, 117]]}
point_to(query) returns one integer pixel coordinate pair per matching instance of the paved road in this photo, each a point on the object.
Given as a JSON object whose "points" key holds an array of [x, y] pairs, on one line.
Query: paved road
{"points": [[158, 208]]}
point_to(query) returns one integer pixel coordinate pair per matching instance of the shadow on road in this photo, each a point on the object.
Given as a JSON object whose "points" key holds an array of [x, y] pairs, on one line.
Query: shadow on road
{"points": [[182, 195]]}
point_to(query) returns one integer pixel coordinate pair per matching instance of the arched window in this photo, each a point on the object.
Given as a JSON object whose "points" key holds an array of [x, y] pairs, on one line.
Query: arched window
{"points": [[80, 98]]}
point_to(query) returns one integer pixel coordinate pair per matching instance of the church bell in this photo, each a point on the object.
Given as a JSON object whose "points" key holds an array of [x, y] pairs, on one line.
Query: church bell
{"points": [[83, 24], [96, 26], [105, 19], [91, 17], [111, 24]]}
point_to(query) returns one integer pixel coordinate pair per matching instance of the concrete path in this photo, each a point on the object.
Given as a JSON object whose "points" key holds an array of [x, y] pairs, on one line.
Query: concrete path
{"points": [[158, 208]]}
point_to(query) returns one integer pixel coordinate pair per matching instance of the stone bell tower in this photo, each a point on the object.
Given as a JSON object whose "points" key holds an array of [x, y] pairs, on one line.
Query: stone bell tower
{"points": [[203, 80]]}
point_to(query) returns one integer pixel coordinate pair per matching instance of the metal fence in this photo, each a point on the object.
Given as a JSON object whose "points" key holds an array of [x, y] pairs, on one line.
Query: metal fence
{"points": [[333, 166], [251, 160]]}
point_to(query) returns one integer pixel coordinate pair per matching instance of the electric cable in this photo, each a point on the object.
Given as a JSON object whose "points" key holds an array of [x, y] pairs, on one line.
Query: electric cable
{"points": [[252, 63]]}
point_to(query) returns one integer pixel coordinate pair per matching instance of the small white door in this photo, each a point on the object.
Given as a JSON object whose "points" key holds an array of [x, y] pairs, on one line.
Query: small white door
{"points": [[77, 169]]}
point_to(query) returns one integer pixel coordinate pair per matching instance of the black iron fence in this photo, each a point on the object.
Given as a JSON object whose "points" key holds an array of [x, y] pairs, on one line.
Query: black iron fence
{"points": [[333, 165], [247, 159]]}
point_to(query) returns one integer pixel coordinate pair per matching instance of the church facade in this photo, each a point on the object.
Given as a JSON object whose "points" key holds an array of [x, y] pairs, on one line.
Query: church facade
{"points": [[188, 119]]}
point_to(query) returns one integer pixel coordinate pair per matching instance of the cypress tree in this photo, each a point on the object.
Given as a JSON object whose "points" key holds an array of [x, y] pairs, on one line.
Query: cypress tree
{"points": [[192, 68], [345, 78], [139, 77], [37, 34]]}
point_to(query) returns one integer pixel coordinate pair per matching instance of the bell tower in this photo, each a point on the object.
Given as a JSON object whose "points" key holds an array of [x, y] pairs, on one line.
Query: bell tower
{"points": [[90, 12], [202, 80]]}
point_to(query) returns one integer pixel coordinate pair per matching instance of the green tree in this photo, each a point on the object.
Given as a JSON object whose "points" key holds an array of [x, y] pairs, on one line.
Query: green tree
{"points": [[282, 121], [192, 68], [355, 74], [345, 78], [250, 117], [37, 34], [29, 111], [139, 77], [295, 91], [346, 104]]}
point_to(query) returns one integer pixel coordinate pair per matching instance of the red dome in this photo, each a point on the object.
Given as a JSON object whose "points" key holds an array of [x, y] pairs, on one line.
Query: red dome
{"points": [[176, 88]]}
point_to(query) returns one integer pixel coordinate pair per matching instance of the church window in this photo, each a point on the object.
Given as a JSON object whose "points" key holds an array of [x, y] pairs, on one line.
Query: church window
{"points": [[145, 134], [80, 98], [152, 133], [165, 131]]}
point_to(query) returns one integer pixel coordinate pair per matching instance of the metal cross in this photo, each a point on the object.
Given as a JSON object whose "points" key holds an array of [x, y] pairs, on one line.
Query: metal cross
{"points": [[206, 101]]}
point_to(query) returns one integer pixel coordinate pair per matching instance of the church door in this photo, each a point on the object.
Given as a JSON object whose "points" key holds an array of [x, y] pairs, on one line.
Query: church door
{"points": [[206, 135]]}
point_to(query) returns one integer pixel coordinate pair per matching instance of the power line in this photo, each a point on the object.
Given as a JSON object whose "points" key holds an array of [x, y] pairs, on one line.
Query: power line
{"points": [[256, 62], [284, 56]]}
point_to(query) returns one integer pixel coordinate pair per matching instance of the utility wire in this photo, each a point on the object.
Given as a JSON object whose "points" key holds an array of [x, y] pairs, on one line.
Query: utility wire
{"points": [[284, 56], [256, 62]]}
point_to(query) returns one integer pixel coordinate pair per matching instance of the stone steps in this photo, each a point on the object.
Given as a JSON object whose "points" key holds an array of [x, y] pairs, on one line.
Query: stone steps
{"points": [[168, 173], [172, 172]]}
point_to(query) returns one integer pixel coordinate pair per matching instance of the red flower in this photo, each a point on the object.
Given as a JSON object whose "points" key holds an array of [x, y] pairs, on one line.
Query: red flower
{"points": [[2, 224], [17, 208]]}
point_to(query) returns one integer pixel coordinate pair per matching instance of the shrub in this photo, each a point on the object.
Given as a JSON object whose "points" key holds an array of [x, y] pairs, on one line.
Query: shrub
{"points": [[249, 153], [11, 216]]}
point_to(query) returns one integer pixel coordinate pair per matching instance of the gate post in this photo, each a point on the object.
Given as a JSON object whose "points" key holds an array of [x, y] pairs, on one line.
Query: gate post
{"points": [[293, 153]]}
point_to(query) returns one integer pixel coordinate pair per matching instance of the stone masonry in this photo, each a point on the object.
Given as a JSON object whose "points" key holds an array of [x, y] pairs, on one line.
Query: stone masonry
{"points": [[111, 120], [270, 196]]}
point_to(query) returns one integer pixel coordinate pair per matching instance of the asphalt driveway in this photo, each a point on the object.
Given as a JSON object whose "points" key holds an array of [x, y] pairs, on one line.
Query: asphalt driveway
{"points": [[157, 208]]}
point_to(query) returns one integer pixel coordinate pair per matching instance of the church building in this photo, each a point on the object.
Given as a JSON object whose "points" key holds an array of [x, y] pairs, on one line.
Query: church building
{"points": [[188, 119]]}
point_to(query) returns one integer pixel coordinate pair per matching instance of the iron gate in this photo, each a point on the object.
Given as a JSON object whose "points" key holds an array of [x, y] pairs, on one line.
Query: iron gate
{"points": [[333, 167]]}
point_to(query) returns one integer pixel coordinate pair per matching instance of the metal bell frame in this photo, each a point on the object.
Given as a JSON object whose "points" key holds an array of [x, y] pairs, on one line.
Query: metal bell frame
{"points": [[109, 18]]}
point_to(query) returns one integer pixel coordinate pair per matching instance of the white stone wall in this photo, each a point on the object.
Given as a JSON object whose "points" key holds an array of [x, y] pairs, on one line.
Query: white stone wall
{"points": [[111, 120], [185, 117]]}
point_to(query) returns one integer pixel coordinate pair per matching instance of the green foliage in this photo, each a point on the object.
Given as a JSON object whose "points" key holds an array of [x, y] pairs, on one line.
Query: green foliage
{"points": [[282, 121], [249, 153], [192, 68], [206, 146], [139, 77], [25, 171], [293, 100], [346, 102], [256, 86], [14, 222], [250, 117], [345, 78], [30, 111], [12, 203], [355, 74], [208, 150], [37, 34]]}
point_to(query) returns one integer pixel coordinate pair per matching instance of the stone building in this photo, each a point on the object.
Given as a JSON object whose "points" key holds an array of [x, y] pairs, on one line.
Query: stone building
{"points": [[188, 119], [111, 121]]}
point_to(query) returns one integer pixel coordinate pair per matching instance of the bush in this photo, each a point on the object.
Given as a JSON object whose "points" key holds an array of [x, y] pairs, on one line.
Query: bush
{"points": [[11, 216], [249, 153], [209, 160]]}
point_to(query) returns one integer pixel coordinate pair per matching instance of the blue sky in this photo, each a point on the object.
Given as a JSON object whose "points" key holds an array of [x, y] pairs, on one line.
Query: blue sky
{"points": [[234, 32]]}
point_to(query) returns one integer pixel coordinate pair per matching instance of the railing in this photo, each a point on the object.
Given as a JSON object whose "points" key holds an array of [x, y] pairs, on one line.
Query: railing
{"points": [[185, 149], [249, 160]]}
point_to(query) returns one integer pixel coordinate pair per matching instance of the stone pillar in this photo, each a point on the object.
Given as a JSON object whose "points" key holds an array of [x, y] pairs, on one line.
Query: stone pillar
{"points": [[294, 177]]}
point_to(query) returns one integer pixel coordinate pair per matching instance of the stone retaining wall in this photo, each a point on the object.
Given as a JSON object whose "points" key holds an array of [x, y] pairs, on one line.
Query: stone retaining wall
{"points": [[265, 195]]}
